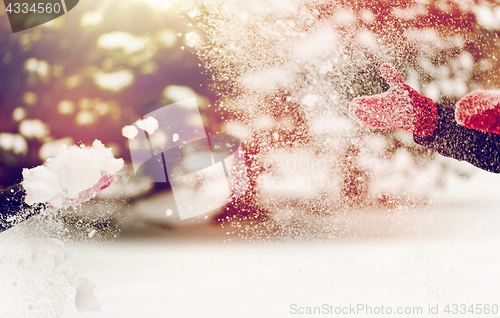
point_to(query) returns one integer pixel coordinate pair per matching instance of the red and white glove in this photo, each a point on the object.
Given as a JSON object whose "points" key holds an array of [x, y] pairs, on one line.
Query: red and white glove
{"points": [[401, 107], [480, 110]]}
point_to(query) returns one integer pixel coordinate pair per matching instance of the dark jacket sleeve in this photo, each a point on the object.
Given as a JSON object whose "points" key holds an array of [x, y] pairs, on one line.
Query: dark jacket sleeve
{"points": [[13, 209], [450, 139]]}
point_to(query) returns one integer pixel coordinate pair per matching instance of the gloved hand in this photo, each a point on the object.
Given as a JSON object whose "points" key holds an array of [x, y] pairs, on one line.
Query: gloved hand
{"points": [[401, 107]]}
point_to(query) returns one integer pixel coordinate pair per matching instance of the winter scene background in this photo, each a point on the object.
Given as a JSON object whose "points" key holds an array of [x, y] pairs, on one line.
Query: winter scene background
{"points": [[334, 213]]}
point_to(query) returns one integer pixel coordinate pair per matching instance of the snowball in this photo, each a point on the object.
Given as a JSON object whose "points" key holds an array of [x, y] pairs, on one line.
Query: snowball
{"points": [[75, 171], [72, 171], [43, 185]]}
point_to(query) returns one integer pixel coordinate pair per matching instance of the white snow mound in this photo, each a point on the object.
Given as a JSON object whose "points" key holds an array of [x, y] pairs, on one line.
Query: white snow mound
{"points": [[73, 170]]}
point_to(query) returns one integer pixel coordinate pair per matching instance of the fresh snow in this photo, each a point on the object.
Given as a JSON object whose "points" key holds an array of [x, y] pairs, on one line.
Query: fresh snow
{"points": [[72, 171]]}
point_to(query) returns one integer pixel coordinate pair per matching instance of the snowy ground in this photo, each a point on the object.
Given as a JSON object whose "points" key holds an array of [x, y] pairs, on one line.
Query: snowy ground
{"points": [[448, 255]]}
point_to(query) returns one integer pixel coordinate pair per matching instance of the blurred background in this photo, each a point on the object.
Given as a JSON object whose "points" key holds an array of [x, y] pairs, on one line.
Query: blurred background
{"points": [[88, 74]]}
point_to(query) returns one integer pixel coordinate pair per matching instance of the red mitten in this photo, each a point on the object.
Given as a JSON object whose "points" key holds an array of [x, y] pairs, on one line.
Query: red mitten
{"points": [[480, 110], [401, 107]]}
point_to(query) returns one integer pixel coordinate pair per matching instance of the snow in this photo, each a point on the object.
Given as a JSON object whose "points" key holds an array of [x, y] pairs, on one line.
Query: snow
{"points": [[41, 185], [440, 254], [267, 80], [309, 61], [85, 299], [297, 174], [73, 170], [237, 130], [408, 258]]}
